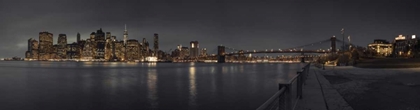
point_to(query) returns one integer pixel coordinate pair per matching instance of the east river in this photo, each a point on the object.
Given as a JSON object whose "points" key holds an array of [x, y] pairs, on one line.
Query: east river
{"points": [[128, 86]]}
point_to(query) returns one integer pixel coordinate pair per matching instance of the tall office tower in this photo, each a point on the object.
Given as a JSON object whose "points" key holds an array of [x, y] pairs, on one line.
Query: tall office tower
{"points": [[147, 49], [132, 50], [120, 50], [156, 44], [92, 36], [108, 35], [29, 44], [113, 39], [108, 46], [221, 58], [34, 49], [62, 46], [125, 35], [45, 45], [144, 43], [333, 46], [87, 51], [78, 37], [32, 52], [100, 44], [194, 49]]}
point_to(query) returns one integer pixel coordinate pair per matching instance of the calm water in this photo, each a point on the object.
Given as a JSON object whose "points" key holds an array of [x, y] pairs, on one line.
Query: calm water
{"points": [[119, 86]]}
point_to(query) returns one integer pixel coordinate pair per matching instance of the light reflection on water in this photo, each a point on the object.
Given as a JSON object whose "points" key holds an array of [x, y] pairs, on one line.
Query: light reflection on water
{"points": [[117, 85], [193, 89], [152, 87]]}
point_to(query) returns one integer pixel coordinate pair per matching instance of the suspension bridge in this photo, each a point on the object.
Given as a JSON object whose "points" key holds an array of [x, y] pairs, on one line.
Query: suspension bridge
{"points": [[318, 47]]}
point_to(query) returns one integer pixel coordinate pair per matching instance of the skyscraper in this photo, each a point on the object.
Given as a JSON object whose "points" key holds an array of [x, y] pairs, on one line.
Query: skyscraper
{"points": [[62, 46], [78, 37], [45, 45], [156, 44], [125, 35], [108, 46], [100, 44], [194, 49]]}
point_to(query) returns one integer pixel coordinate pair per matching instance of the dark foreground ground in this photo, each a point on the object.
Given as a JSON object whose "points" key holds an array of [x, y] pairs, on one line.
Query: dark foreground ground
{"points": [[377, 89]]}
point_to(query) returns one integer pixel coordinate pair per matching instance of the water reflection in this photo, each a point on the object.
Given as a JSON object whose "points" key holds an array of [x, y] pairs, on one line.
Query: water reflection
{"points": [[128, 86], [45, 64], [151, 64], [224, 69], [193, 88], [88, 64], [152, 87]]}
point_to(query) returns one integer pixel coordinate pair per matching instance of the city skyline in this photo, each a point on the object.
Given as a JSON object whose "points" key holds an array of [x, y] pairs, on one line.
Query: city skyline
{"points": [[277, 24]]}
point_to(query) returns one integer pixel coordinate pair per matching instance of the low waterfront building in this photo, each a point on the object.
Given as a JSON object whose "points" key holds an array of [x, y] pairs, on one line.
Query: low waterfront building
{"points": [[405, 46], [381, 47]]}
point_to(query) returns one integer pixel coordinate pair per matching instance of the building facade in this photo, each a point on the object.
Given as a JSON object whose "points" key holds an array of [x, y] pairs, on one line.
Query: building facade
{"points": [[405, 46], [381, 47]]}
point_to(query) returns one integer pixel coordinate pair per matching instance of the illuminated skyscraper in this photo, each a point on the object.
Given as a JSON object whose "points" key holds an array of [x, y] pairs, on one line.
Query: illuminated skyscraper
{"points": [[125, 35], [156, 44], [100, 44], [62, 46], [45, 45], [78, 37], [31, 48], [132, 50], [194, 49]]}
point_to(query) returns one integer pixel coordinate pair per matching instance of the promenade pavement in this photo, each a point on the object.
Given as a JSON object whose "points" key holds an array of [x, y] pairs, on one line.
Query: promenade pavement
{"points": [[318, 94]]}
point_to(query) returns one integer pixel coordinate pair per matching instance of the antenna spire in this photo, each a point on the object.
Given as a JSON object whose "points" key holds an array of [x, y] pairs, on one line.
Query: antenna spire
{"points": [[125, 27]]}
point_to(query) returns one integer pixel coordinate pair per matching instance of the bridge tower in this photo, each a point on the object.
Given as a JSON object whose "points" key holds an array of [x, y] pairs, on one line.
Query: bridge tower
{"points": [[333, 48], [221, 54], [302, 57]]}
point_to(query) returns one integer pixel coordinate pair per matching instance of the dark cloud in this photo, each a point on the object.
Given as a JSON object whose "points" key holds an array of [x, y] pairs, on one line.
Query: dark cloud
{"points": [[239, 24]]}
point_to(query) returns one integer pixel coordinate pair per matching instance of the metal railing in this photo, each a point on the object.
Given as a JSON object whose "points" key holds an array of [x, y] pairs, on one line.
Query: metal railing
{"points": [[289, 93]]}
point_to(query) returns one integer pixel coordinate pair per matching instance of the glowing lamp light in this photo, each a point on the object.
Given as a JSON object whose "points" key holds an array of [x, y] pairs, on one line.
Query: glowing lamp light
{"points": [[413, 37]]}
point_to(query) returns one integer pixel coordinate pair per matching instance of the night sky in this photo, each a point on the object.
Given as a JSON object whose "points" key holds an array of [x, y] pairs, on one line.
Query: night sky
{"points": [[240, 24]]}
